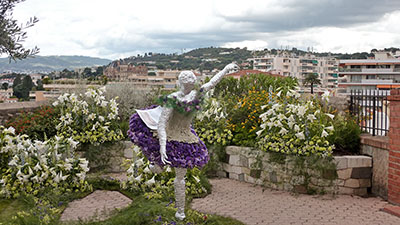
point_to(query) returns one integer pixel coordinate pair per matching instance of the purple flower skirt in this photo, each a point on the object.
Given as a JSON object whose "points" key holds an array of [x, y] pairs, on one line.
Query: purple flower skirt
{"points": [[180, 154]]}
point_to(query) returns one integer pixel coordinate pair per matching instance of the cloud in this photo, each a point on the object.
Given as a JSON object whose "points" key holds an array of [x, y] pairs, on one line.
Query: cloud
{"points": [[116, 29]]}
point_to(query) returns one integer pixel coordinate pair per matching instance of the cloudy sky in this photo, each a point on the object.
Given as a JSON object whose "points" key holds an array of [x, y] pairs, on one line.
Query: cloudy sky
{"points": [[121, 28]]}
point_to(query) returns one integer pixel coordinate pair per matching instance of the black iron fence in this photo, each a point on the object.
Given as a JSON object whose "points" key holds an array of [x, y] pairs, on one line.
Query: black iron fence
{"points": [[370, 107]]}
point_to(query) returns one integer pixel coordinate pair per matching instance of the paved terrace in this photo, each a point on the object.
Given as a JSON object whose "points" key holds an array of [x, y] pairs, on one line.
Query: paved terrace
{"points": [[253, 205]]}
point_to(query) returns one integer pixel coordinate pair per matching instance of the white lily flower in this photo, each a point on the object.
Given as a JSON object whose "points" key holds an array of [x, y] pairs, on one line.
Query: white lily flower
{"points": [[68, 166], [325, 96], [330, 128], [37, 167], [283, 131], [146, 170], [130, 170], [264, 106], [81, 175], [330, 115], [196, 179], [13, 161], [324, 133], [10, 130], [151, 182], [138, 178], [55, 103], [35, 179], [290, 124], [101, 118], [139, 162], [259, 132], [279, 94], [300, 136], [296, 128], [281, 116], [311, 117], [168, 170], [301, 111]]}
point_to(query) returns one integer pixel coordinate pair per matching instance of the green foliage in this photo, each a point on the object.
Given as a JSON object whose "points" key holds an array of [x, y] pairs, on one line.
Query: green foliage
{"points": [[38, 124], [35, 165], [12, 35], [88, 118], [4, 86], [346, 136], [291, 125], [231, 114]]}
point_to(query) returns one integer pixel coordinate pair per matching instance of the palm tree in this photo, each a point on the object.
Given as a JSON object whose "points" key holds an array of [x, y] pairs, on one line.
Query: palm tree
{"points": [[311, 79]]}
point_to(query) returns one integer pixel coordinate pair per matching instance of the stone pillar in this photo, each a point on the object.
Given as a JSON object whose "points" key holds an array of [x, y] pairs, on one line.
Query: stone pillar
{"points": [[394, 148]]}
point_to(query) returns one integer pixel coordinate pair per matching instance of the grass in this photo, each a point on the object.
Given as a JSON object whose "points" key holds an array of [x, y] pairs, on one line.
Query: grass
{"points": [[141, 211]]}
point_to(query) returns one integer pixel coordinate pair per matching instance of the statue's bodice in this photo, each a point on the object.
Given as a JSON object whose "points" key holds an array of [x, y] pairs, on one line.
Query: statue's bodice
{"points": [[178, 128]]}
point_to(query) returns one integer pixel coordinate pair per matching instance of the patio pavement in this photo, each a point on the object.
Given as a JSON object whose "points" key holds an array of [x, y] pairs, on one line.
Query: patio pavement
{"points": [[255, 205]]}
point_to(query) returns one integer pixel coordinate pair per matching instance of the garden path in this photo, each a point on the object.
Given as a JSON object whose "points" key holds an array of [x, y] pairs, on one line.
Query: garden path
{"points": [[255, 205], [97, 206]]}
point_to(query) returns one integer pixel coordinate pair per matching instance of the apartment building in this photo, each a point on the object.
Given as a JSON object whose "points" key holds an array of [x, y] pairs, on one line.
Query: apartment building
{"points": [[299, 66], [379, 73]]}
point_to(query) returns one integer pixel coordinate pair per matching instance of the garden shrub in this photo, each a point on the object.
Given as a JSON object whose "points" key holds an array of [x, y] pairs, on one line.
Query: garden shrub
{"points": [[88, 117], [291, 125], [346, 136], [36, 165], [38, 124]]}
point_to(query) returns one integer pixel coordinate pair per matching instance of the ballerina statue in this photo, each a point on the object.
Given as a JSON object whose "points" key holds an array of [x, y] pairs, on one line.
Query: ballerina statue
{"points": [[175, 142]]}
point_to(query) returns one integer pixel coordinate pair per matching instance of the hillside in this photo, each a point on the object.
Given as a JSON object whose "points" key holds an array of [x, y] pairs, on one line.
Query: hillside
{"points": [[202, 58], [212, 57], [46, 64]]}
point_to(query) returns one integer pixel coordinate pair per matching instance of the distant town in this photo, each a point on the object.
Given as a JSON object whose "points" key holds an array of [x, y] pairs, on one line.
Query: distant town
{"points": [[336, 73]]}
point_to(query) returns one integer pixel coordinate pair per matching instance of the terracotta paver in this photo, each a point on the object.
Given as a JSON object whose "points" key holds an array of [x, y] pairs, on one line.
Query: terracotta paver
{"points": [[96, 206], [255, 205]]}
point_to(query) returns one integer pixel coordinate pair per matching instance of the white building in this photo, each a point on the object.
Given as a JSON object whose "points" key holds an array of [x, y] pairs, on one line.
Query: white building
{"points": [[299, 66], [379, 73]]}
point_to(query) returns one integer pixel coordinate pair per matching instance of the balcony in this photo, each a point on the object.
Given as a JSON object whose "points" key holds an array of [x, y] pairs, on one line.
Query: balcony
{"points": [[349, 69]]}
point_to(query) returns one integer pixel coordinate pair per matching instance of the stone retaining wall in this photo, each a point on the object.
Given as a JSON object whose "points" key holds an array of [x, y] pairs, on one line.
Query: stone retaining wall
{"points": [[378, 148], [344, 175]]}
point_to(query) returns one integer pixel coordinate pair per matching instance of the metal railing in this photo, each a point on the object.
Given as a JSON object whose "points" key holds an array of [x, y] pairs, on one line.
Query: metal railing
{"points": [[370, 107]]}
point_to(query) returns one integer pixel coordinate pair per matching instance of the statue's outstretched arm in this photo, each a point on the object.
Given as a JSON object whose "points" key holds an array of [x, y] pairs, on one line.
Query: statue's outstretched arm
{"points": [[217, 78], [162, 134]]}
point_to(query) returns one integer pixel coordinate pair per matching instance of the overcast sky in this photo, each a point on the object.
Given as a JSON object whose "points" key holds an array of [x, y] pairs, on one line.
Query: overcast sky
{"points": [[121, 28]]}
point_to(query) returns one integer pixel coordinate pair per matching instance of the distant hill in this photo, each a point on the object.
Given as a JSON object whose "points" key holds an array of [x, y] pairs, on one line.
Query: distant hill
{"points": [[46, 64], [215, 57]]}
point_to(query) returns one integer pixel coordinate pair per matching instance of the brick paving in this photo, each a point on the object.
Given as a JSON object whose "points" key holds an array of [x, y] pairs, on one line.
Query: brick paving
{"points": [[97, 206], [255, 205]]}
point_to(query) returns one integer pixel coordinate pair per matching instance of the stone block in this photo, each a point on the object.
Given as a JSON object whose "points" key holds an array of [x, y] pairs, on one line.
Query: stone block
{"points": [[352, 183], [235, 150], [301, 189], [341, 162], [232, 169], [128, 153], [329, 174], [234, 160], [361, 192], [346, 190], [244, 161], [222, 174], [358, 161], [361, 173], [344, 173], [246, 170], [241, 177], [253, 163], [272, 177], [234, 176], [249, 179], [365, 183]]}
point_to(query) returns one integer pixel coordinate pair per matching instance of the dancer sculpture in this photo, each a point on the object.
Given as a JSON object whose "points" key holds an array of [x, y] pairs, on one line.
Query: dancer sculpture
{"points": [[177, 143]]}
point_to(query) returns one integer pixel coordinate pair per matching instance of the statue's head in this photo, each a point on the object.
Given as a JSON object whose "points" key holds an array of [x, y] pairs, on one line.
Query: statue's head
{"points": [[187, 80]]}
